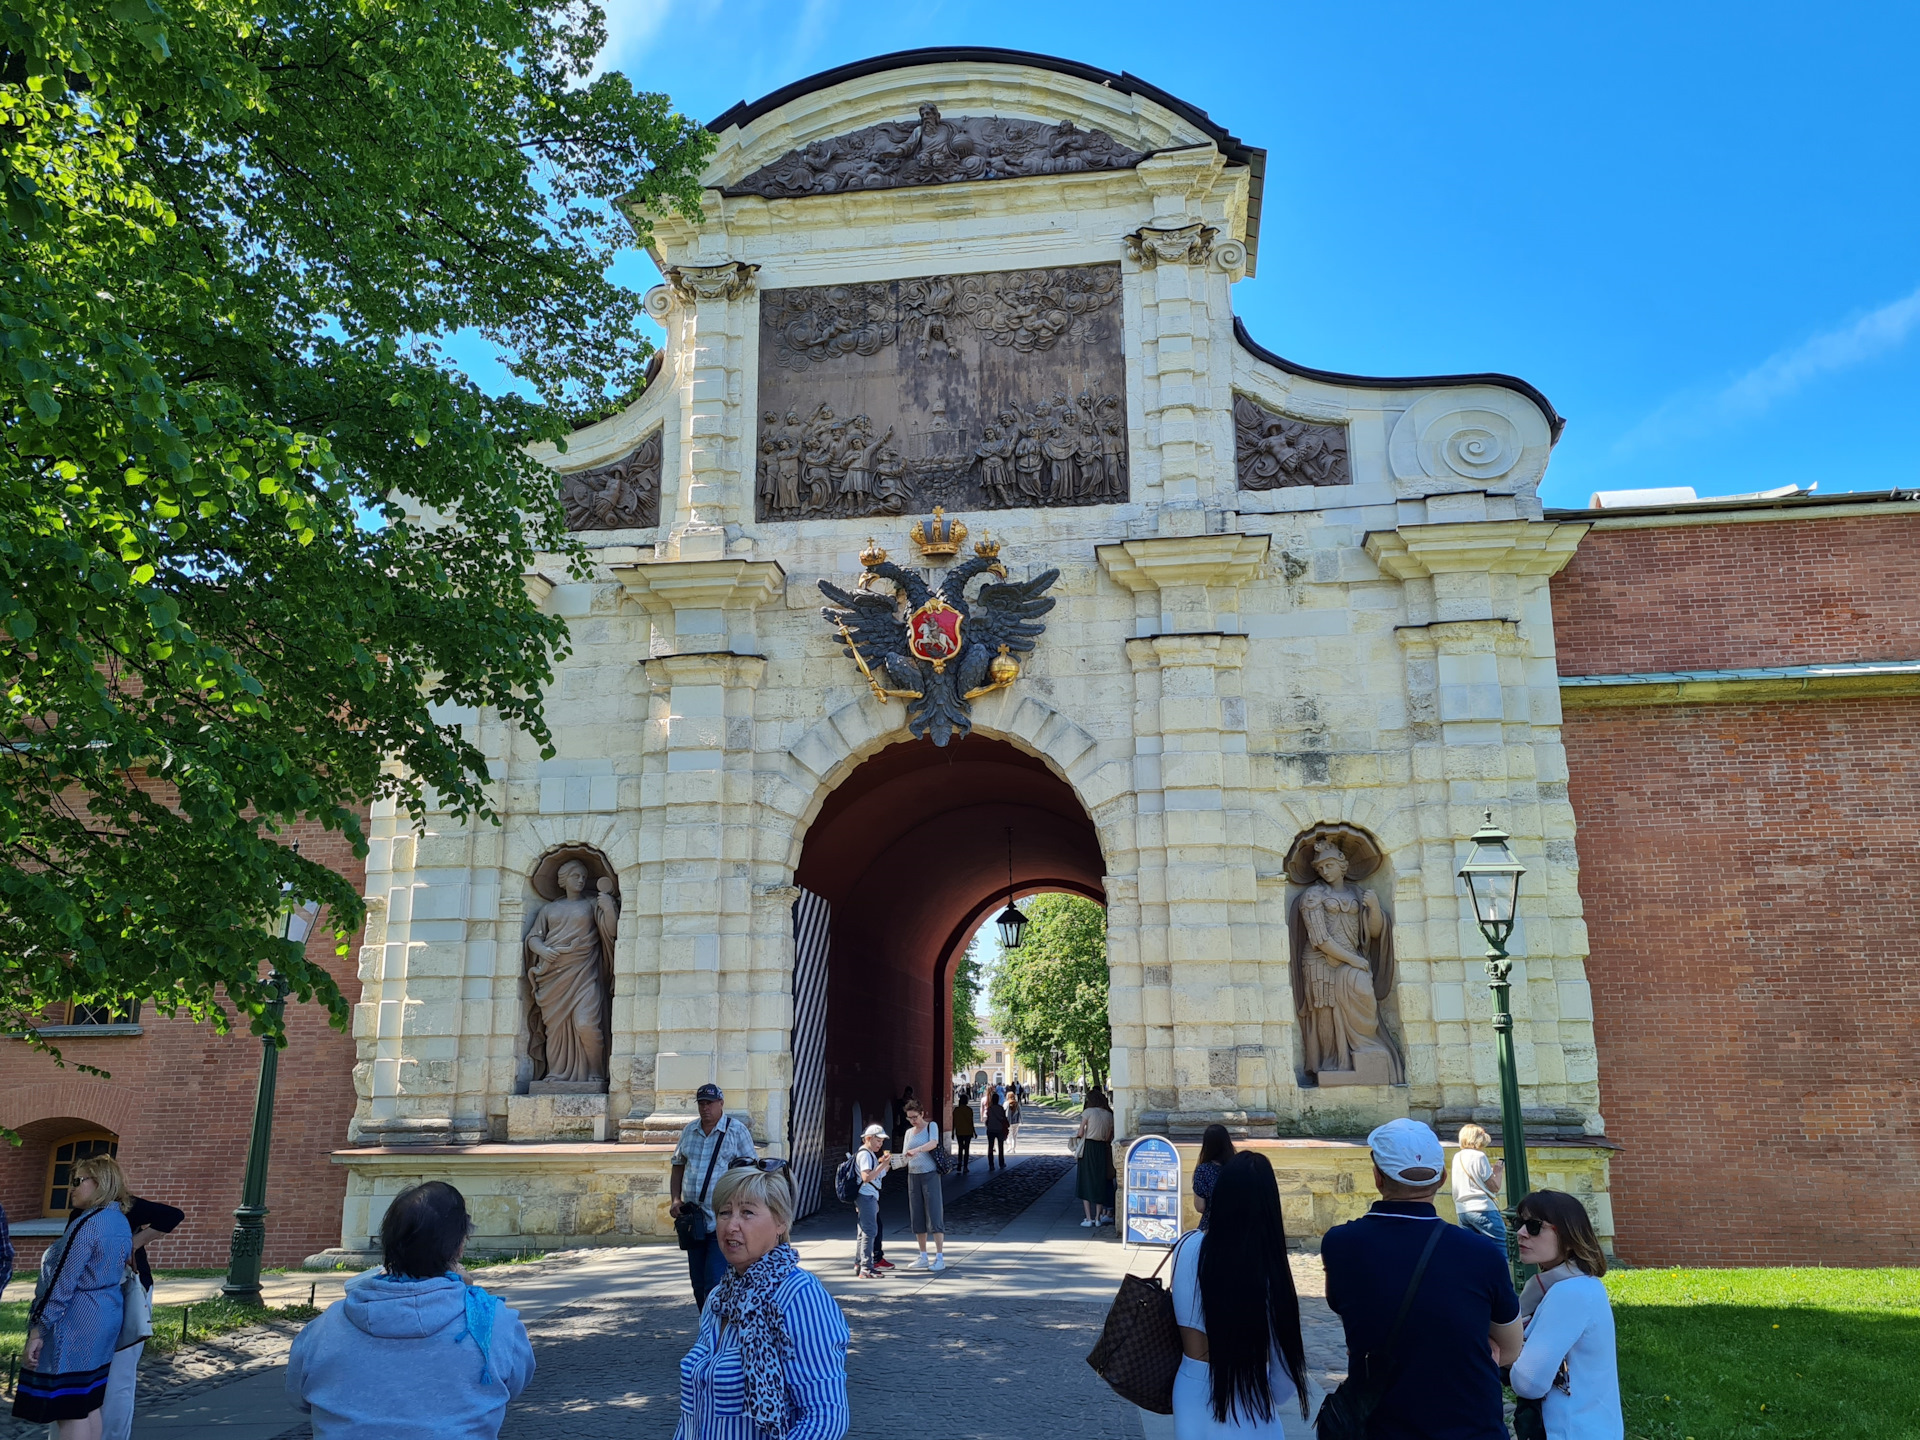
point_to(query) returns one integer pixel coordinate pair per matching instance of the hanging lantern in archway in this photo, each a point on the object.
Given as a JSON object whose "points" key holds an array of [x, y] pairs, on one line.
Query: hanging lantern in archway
{"points": [[1012, 924]]}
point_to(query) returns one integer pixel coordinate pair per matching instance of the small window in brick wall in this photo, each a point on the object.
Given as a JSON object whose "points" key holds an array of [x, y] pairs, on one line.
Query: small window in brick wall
{"points": [[61, 1156], [127, 1012]]}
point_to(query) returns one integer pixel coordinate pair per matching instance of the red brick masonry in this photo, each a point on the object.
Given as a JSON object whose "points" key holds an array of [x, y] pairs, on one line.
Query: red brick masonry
{"points": [[181, 1101], [1748, 873]]}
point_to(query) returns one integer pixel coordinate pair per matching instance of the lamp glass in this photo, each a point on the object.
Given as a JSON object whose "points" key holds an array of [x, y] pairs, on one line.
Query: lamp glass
{"points": [[1493, 877], [1013, 927]]}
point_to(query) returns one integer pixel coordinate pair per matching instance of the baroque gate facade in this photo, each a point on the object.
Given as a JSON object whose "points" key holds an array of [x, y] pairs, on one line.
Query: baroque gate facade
{"points": [[1294, 613]]}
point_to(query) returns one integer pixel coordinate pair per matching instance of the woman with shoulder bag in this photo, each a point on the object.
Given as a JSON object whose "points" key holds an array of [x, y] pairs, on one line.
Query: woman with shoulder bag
{"points": [[996, 1129], [1243, 1369], [1567, 1366], [74, 1324], [1093, 1182], [926, 1201]]}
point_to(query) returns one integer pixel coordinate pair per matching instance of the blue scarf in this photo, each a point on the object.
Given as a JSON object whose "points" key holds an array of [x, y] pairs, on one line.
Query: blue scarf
{"points": [[481, 1310]]}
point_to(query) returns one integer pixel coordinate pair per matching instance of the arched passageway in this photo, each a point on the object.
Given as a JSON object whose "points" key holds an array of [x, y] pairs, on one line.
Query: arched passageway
{"points": [[910, 852]]}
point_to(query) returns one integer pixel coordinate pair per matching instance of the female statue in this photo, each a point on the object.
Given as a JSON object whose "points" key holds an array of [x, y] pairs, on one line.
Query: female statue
{"points": [[569, 965], [1342, 968]]}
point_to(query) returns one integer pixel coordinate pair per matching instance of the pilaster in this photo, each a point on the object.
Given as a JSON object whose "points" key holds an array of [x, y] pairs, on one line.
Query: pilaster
{"points": [[718, 344]]}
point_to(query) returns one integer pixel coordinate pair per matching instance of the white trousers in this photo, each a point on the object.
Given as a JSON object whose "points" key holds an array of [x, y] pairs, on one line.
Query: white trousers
{"points": [[116, 1411]]}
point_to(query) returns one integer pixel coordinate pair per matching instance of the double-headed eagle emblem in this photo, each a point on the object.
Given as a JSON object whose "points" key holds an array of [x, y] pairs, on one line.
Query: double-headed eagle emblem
{"points": [[932, 648]]}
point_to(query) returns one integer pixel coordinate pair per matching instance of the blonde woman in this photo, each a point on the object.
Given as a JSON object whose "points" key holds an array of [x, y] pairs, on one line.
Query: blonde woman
{"points": [[74, 1324], [1476, 1186], [771, 1357]]}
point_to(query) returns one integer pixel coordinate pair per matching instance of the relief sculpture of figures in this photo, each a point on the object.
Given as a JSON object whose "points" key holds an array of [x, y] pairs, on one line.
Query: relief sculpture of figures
{"points": [[937, 150], [1342, 961], [622, 496], [973, 392], [569, 967], [1273, 452]]}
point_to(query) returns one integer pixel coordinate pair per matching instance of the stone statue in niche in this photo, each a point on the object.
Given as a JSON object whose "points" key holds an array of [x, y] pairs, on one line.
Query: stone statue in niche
{"points": [[567, 985], [1342, 943], [1273, 451], [935, 150], [972, 392], [622, 496]]}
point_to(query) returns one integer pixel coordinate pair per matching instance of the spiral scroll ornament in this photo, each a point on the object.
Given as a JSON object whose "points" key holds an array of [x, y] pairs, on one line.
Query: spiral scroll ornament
{"points": [[1476, 444]]}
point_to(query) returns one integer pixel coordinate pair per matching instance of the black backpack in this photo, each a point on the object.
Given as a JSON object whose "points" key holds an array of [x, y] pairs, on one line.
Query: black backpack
{"points": [[846, 1181]]}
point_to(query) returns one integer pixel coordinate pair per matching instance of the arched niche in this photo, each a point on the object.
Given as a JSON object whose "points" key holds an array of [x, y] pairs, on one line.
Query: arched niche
{"points": [[543, 887]]}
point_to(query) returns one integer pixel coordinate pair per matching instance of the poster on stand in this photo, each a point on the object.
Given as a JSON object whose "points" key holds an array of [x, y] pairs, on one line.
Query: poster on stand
{"points": [[1151, 1214]]}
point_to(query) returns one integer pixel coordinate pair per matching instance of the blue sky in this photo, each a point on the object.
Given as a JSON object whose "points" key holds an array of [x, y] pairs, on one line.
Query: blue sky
{"points": [[1695, 227]]}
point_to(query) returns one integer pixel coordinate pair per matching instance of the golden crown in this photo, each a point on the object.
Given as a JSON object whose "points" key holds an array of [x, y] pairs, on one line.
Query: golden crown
{"points": [[942, 537], [987, 548], [873, 555]]}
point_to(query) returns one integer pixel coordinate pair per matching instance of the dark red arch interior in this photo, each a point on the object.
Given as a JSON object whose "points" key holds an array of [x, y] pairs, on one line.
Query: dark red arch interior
{"points": [[911, 854]]}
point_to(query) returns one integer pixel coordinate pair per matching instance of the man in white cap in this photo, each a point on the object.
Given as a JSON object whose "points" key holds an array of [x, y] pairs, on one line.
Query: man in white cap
{"points": [[872, 1161], [1461, 1315]]}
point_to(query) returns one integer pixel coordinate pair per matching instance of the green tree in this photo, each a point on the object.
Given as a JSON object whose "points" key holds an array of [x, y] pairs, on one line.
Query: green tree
{"points": [[966, 1003], [1050, 995], [234, 235]]}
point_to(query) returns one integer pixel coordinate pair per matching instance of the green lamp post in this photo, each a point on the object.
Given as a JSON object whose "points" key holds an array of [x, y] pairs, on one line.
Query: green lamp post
{"points": [[250, 1220], [1493, 880]]}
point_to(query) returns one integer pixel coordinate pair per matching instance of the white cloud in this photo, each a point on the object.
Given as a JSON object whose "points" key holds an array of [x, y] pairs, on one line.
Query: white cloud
{"points": [[632, 27], [1780, 375]]}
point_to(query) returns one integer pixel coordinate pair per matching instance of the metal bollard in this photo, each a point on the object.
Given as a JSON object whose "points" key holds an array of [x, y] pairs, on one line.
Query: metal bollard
{"points": [[188, 1310]]}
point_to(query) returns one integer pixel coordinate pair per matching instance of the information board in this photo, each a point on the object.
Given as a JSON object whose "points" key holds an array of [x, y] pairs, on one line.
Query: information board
{"points": [[1152, 1192]]}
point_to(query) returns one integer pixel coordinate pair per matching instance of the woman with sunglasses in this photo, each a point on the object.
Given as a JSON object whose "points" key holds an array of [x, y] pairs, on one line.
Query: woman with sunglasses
{"points": [[1567, 1363]]}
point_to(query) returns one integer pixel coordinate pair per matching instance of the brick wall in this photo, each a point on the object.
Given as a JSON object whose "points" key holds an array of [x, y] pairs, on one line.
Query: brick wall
{"points": [[1748, 878], [1776, 592], [180, 1098]]}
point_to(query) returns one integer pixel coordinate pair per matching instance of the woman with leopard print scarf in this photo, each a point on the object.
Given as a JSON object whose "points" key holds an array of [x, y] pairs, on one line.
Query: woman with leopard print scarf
{"points": [[770, 1362]]}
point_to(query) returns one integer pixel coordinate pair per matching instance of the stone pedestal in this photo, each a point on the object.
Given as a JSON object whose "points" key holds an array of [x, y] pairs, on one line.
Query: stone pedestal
{"points": [[1370, 1067], [659, 1128], [1349, 1110], [556, 1115]]}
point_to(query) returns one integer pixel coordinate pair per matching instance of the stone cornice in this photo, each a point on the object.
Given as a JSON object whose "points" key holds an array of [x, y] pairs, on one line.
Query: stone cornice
{"points": [[1170, 561], [664, 587], [706, 667], [1461, 636], [1842, 681], [1497, 547]]}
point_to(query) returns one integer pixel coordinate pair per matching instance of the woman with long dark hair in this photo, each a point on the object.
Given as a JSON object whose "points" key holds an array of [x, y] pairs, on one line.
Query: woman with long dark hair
{"points": [[1094, 1181], [1216, 1148], [1244, 1368]]}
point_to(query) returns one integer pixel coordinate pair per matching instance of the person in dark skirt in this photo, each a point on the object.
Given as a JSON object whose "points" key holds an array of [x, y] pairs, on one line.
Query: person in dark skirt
{"points": [[75, 1322], [1094, 1181], [1216, 1148]]}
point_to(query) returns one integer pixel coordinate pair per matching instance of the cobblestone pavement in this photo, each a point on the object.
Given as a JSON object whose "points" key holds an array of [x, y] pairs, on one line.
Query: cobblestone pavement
{"points": [[996, 1344]]}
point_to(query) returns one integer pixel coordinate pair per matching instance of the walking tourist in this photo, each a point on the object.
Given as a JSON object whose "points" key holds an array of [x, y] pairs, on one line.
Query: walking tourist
{"points": [[150, 1220], [1013, 1118], [1094, 1182], [1243, 1369], [1476, 1186], [415, 1348], [1216, 1148], [771, 1356], [904, 1099], [74, 1322], [707, 1147], [926, 1204], [963, 1129], [1567, 1365], [1462, 1321], [871, 1161], [996, 1125]]}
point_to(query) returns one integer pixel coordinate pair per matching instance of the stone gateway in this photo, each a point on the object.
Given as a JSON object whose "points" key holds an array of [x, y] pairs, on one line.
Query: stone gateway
{"points": [[1238, 648]]}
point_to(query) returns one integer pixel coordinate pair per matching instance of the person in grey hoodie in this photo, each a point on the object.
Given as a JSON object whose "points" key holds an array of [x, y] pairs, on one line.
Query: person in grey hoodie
{"points": [[413, 1349]]}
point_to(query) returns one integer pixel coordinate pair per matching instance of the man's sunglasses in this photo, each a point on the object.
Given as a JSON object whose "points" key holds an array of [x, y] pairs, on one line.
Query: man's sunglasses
{"points": [[1533, 1227]]}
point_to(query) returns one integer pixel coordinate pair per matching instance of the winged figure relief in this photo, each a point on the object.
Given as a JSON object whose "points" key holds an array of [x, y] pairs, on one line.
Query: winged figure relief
{"points": [[935, 649]]}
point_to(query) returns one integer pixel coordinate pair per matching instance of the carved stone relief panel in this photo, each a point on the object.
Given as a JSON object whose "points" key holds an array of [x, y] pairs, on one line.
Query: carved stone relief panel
{"points": [[935, 150], [976, 392], [622, 496], [1272, 451]]}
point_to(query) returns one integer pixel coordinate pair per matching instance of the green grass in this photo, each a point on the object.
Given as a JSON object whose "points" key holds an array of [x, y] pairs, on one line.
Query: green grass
{"points": [[1769, 1354], [208, 1317]]}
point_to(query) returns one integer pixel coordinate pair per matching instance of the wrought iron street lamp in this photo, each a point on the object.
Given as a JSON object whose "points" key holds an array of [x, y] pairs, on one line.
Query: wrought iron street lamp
{"points": [[250, 1220], [1493, 880], [1012, 924]]}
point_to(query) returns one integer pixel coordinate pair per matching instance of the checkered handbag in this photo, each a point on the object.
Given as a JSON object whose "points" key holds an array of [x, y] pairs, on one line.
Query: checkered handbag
{"points": [[1138, 1352]]}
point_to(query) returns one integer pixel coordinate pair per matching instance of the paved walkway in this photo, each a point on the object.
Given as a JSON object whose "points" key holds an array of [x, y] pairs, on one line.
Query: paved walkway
{"points": [[996, 1344]]}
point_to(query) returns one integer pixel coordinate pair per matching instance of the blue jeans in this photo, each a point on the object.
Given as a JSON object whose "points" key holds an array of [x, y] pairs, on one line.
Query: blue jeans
{"points": [[868, 1231], [1487, 1223], [706, 1267]]}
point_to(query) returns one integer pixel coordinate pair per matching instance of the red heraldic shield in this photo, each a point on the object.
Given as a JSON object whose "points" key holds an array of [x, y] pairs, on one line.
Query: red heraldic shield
{"points": [[933, 632]]}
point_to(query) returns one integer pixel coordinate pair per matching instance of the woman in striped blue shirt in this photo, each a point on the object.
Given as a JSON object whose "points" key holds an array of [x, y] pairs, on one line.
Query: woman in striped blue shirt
{"points": [[771, 1359]]}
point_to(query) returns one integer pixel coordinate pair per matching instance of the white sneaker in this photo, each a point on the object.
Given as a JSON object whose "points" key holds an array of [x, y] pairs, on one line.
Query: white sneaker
{"points": [[1086, 1224], [919, 1263], [939, 1263]]}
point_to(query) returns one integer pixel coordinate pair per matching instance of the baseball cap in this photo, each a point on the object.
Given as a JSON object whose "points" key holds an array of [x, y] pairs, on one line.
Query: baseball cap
{"points": [[873, 1130], [1401, 1146], [708, 1091]]}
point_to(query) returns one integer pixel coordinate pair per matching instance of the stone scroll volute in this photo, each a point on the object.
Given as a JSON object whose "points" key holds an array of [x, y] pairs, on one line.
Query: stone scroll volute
{"points": [[566, 975], [1341, 941]]}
